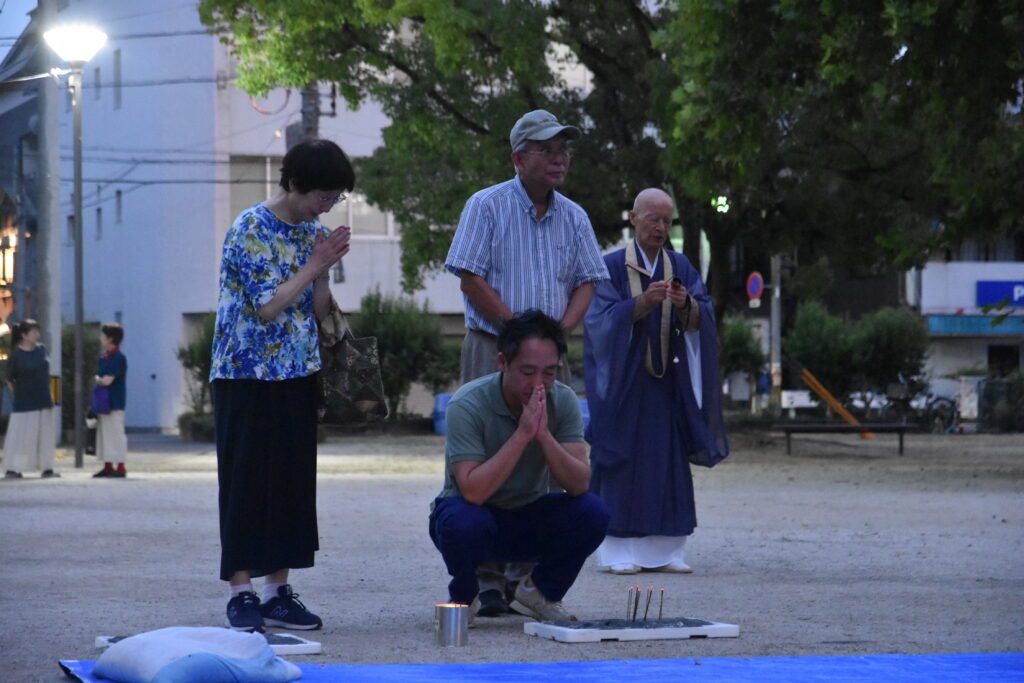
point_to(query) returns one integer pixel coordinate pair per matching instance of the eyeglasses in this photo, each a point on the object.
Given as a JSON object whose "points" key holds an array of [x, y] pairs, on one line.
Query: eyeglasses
{"points": [[549, 153], [331, 201]]}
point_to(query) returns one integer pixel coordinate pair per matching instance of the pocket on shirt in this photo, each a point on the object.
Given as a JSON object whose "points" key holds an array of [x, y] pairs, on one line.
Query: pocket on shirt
{"points": [[565, 261]]}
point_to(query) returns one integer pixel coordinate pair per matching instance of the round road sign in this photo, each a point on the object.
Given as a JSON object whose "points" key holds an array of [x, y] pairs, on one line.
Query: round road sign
{"points": [[755, 285]]}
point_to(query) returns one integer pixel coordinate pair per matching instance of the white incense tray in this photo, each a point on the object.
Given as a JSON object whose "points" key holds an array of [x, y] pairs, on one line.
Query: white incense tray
{"points": [[280, 643], [625, 629]]}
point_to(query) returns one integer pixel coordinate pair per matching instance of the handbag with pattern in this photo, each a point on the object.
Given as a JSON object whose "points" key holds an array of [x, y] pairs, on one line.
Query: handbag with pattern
{"points": [[351, 389]]}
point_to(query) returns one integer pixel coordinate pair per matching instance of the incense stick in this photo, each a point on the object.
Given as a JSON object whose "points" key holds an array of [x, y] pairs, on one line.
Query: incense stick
{"points": [[650, 592], [661, 604], [636, 603], [629, 600]]}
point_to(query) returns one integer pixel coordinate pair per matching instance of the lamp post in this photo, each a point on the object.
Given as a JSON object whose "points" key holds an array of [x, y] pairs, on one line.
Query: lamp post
{"points": [[76, 45]]}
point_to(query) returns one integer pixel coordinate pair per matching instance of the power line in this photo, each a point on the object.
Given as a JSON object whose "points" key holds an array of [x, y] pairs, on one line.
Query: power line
{"points": [[132, 36], [173, 181]]}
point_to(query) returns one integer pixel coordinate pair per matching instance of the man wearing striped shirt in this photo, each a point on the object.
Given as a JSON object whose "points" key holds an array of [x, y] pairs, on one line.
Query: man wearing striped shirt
{"points": [[523, 245]]}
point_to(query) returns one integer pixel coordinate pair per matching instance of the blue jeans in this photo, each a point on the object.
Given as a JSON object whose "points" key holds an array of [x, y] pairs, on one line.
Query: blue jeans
{"points": [[557, 531]]}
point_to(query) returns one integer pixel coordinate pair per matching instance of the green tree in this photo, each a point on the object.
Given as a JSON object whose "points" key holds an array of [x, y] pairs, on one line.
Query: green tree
{"points": [[889, 343], [739, 349], [408, 341], [810, 117], [823, 344], [877, 130], [453, 77]]}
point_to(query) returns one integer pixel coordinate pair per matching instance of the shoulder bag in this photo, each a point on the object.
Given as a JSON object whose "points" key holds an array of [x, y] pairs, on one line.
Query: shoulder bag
{"points": [[351, 388]]}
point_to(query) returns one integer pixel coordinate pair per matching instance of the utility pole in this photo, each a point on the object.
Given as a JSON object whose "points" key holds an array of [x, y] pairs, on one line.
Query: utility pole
{"points": [[48, 270], [776, 337], [309, 127]]}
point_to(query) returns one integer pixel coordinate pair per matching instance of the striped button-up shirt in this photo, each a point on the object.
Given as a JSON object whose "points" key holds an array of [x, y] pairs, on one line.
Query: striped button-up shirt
{"points": [[529, 263]]}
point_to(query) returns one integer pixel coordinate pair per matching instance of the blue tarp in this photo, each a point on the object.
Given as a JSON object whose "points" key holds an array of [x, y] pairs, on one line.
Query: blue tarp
{"points": [[871, 668]]}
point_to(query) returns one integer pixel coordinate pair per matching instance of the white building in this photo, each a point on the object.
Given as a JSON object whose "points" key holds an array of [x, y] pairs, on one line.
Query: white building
{"points": [[172, 152], [952, 293]]}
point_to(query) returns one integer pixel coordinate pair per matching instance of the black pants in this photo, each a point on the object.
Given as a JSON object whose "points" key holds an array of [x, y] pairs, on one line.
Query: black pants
{"points": [[266, 469]]}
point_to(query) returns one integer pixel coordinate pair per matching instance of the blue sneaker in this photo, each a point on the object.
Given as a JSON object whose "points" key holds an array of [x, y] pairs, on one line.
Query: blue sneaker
{"points": [[285, 611], [244, 612]]}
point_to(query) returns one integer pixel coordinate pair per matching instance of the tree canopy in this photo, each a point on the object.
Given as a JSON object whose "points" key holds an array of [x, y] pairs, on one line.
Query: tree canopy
{"points": [[874, 130], [882, 129]]}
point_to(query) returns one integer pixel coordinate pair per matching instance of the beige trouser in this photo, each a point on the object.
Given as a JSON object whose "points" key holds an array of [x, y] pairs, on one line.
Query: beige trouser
{"points": [[31, 441], [111, 442]]}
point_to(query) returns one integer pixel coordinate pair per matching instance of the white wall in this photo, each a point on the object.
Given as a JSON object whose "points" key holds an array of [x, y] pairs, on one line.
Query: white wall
{"points": [[949, 288], [947, 357], [161, 261]]}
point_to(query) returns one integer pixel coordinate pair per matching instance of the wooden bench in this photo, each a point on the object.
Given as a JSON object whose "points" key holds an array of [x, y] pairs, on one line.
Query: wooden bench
{"points": [[844, 428]]}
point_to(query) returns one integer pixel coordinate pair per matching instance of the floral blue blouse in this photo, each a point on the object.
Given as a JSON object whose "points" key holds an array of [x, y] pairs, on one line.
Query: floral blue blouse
{"points": [[260, 253]]}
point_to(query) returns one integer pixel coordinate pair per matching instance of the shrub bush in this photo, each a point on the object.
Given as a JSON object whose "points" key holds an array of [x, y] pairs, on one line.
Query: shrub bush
{"points": [[1002, 403], [408, 340], [740, 350], [442, 371], [196, 427], [197, 359], [888, 343], [823, 344]]}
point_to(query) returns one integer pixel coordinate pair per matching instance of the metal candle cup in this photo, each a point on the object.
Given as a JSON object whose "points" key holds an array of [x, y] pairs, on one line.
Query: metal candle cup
{"points": [[451, 623]]}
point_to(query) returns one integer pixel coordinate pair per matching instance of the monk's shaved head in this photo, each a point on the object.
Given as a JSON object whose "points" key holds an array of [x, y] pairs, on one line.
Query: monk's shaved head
{"points": [[650, 195], [652, 217]]}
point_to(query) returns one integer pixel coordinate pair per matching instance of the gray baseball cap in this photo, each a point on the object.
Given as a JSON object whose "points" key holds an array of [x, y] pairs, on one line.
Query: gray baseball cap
{"points": [[540, 125]]}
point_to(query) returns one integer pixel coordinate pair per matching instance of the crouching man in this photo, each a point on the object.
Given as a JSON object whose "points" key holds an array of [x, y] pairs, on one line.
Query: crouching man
{"points": [[512, 435]]}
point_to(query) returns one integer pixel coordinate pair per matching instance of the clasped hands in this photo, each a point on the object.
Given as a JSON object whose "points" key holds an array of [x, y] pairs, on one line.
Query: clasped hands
{"points": [[330, 249], [533, 422]]}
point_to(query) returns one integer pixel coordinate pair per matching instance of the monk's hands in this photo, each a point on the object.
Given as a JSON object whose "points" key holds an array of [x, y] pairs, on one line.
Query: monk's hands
{"points": [[654, 295], [677, 294], [533, 423]]}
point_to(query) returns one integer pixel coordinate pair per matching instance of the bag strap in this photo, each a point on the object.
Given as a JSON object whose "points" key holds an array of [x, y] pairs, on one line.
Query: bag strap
{"points": [[334, 326], [633, 271]]}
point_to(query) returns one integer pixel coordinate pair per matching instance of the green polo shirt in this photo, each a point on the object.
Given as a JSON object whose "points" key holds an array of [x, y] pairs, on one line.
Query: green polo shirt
{"points": [[479, 424]]}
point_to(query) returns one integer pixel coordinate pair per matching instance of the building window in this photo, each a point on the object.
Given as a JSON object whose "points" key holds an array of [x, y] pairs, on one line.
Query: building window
{"points": [[118, 207], [96, 83], [117, 79], [99, 222], [338, 272], [253, 179], [367, 219]]}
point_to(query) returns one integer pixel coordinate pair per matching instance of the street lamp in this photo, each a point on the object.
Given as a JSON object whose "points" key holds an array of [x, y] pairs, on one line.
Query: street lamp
{"points": [[76, 45]]}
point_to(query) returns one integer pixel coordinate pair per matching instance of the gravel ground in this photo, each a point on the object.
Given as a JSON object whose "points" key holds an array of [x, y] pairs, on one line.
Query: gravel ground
{"points": [[841, 548]]}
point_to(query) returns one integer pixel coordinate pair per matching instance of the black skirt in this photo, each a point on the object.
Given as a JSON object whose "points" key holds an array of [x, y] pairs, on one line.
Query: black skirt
{"points": [[266, 469]]}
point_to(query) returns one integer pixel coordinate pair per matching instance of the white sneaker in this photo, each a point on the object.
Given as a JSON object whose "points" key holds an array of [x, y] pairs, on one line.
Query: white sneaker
{"points": [[530, 602], [624, 568]]}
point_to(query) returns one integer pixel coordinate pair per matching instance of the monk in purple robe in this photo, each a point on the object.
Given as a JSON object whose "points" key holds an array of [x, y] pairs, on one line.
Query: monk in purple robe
{"points": [[654, 394]]}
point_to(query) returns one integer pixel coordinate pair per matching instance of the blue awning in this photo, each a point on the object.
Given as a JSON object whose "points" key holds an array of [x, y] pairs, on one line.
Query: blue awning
{"points": [[974, 326]]}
